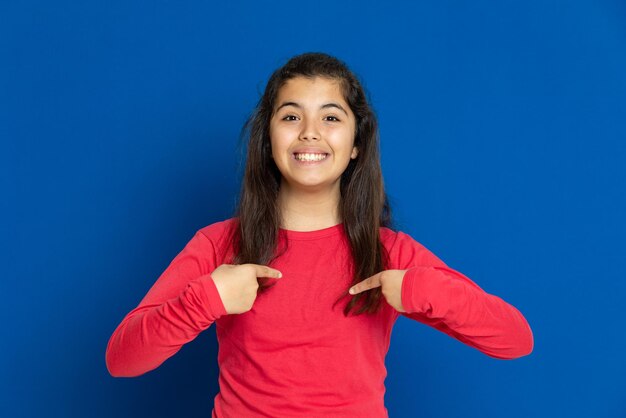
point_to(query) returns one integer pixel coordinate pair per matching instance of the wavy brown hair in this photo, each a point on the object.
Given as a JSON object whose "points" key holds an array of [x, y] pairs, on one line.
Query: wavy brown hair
{"points": [[364, 206]]}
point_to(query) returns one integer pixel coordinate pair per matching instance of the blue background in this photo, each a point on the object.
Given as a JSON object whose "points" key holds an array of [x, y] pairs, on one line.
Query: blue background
{"points": [[502, 127]]}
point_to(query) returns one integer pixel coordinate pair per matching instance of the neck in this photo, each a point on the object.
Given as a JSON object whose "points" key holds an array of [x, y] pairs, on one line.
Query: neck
{"points": [[308, 210]]}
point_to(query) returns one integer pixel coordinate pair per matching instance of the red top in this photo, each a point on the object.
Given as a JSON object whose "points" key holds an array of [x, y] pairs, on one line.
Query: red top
{"points": [[293, 353]]}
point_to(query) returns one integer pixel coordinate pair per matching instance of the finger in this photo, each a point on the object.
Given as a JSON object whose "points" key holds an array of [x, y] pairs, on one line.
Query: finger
{"points": [[367, 284], [265, 271]]}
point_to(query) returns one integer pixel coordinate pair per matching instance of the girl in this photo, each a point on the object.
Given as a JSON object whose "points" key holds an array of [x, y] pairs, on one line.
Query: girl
{"points": [[306, 281]]}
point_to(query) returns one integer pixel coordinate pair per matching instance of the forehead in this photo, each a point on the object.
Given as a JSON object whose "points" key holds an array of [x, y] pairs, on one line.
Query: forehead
{"points": [[315, 89]]}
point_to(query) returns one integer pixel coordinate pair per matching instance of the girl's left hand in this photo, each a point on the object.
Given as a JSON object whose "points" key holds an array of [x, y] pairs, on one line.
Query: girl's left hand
{"points": [[390, 282]]}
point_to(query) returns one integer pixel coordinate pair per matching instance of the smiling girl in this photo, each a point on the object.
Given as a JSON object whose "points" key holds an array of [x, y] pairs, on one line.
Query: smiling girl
{"points": [[306, 281]]}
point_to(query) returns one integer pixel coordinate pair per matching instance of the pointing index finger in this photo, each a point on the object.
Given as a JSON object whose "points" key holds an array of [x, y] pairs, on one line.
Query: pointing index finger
{"points": [[367, 284], [265, 271]]}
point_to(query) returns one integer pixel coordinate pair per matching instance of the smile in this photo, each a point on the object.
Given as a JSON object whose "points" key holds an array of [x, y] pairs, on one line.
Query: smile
{"points": [[309, 157]]}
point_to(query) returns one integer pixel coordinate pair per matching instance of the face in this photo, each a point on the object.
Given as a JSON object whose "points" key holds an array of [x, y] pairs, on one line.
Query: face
{"points": [[312, 134]]}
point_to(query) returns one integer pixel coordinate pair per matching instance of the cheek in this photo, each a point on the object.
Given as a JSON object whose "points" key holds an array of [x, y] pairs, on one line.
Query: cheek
{"points": [[278, 145], [343, 138], [279, 136]]}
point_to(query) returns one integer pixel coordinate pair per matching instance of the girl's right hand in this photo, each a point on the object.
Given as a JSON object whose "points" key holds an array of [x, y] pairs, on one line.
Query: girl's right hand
{"points": [[237, 284]]}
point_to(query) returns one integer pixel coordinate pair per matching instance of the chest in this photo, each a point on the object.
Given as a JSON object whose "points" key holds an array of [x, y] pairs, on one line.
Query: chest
{"points": [[305, 307]]}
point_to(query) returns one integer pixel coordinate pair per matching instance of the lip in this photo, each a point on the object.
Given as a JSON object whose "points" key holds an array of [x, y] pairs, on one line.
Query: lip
{"points": [[309, 150]]}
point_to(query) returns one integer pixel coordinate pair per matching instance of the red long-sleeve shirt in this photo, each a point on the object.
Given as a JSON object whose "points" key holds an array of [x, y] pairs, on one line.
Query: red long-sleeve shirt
{"points": [[294, 354]]}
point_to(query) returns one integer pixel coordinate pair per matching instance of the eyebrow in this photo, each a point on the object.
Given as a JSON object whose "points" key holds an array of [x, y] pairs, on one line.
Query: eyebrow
{"points": [[324, 106]]}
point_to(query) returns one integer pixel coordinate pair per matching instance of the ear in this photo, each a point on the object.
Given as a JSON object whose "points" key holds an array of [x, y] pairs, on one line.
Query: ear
{"points": [[355, 152]]}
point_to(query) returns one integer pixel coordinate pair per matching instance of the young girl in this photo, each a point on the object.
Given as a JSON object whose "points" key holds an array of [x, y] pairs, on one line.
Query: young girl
{"points": [[305, 283]]}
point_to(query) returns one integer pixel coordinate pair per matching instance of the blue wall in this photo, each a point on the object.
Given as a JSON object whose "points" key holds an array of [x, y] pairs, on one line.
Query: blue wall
{"points": [[502, 127]]}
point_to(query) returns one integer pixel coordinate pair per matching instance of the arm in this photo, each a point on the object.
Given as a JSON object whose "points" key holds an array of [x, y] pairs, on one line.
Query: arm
{"points": [[436, 295], [183, 302]]}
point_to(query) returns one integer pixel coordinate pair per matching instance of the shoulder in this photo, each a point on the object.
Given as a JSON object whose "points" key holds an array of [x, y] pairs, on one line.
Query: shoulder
{"points": [[403, 250], [390, 238], [219, 234], [216, 230]]}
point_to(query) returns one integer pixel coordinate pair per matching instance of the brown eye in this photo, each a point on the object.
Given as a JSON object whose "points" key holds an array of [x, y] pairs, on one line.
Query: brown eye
{"points": [[288, 118], [332, 118]]}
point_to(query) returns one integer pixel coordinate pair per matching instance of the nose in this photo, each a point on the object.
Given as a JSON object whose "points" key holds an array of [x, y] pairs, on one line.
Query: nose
{"points": [[309, 131]]}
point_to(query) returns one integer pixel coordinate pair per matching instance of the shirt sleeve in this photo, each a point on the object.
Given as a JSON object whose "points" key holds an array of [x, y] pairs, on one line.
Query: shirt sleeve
{"points": [[183, 302], [436, 295]]}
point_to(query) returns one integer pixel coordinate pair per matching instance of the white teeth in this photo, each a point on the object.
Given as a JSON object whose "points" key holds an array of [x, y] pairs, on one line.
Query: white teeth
{"points": [[310, 157]]}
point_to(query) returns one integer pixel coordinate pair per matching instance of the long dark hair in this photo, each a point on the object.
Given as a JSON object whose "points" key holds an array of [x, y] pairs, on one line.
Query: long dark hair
{"points": [[364, 206]]}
